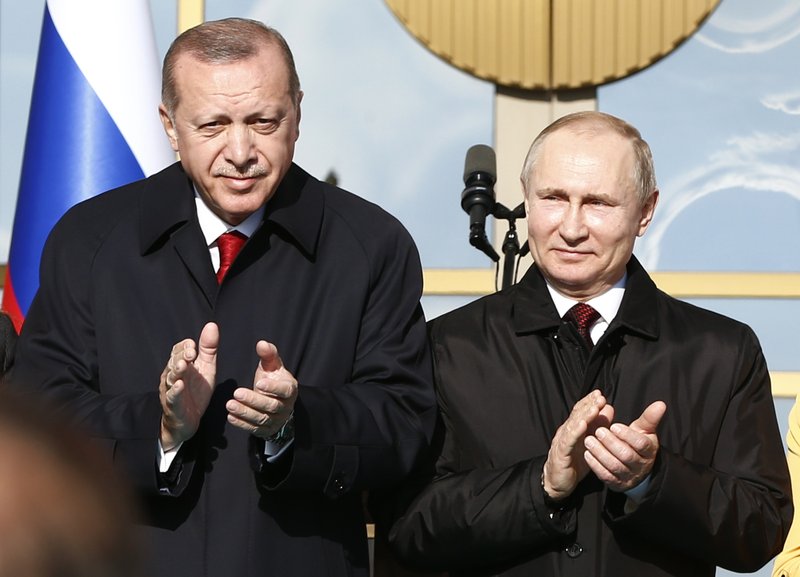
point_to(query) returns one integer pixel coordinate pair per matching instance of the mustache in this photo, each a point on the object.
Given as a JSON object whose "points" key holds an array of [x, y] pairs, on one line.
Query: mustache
{"points": [[252, 171]]}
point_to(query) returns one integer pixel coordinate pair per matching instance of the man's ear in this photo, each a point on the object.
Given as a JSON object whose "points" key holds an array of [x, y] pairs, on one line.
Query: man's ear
{"points": [[648, 209], [169, 127], [299, 114], [524, 195]]}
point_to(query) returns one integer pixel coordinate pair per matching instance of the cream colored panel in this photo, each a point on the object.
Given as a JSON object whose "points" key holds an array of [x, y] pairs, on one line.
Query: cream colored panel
{"points": [[190, 14]]}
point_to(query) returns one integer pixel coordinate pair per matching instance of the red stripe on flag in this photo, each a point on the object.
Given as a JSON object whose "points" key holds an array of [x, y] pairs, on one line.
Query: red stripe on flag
{"points": [[10, 305]]}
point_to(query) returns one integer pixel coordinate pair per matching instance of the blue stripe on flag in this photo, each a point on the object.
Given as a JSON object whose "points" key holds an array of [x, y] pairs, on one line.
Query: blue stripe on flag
{"points": [[73, 151]]}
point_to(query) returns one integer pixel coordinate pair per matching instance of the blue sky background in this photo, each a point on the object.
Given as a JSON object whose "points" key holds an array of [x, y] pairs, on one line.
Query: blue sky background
{"points": [[721, 113]]}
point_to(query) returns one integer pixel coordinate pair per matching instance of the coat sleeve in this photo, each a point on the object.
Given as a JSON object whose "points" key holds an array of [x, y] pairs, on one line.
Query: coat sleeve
{"points": [[370, 432], [787, 563], [57, 358], [462, 517], [469, 518], [735, 511]]}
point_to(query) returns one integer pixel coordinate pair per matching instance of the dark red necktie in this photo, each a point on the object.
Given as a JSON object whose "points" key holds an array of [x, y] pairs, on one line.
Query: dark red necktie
{"points": [[229, 245], [583, 316]]}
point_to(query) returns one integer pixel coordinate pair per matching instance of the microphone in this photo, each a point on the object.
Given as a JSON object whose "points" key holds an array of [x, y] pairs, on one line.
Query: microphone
{"points": [[478, 197]]}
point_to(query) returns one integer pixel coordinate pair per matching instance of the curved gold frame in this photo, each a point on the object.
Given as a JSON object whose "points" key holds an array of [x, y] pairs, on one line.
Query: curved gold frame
{"points": [[551, 44]]}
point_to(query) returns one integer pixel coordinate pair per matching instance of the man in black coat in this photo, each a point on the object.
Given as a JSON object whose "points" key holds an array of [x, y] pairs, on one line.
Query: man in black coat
{"points": [[250, 407], [633, 436]]}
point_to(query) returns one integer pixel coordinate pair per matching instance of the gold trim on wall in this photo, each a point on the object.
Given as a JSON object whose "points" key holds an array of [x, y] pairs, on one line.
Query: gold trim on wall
{"points": [[785, 384], [477, 282]]}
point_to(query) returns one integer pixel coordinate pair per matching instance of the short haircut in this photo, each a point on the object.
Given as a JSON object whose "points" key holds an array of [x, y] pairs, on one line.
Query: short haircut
{"points": [[220, 42], [644, 175]]}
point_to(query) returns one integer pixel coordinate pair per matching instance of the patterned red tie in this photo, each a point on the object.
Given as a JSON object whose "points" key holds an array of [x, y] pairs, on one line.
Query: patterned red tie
{"points": [[583, 316], [229, 245]]}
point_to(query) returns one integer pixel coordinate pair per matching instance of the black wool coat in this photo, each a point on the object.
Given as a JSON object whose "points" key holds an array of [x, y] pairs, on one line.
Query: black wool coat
{"points": [[332, 280], [508, 371]]}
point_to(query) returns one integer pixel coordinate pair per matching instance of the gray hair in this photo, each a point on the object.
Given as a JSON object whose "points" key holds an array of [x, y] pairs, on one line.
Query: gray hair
{"points": [[224, 41], [644, 175]]}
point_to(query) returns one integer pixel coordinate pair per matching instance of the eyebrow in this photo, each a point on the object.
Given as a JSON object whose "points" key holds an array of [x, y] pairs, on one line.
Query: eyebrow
{"points": [[549, 190]]}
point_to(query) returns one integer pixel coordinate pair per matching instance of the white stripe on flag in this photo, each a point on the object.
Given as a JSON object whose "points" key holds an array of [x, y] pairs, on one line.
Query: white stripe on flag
{"points": [[112, 43]]}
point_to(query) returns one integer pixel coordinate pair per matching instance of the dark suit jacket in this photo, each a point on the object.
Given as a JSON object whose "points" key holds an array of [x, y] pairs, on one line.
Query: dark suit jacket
{"points": [[8, 341], [508, 371], [331, 279]]}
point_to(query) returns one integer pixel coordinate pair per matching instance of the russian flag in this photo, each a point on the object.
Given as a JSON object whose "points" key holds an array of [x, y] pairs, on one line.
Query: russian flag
{"points": [[93, 124]]}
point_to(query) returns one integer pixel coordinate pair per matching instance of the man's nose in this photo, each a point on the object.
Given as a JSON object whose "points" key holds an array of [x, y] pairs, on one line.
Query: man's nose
{"points": [[573, 224], [240, 147]]}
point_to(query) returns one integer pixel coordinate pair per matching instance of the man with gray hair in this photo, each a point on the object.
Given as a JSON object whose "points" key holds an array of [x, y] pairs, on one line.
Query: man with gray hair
{"points": [[592, 424], [245, 341]]}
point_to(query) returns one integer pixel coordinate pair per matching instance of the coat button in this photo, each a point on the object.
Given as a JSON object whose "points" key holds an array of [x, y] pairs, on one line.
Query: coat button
{"points": [[574, 550]]}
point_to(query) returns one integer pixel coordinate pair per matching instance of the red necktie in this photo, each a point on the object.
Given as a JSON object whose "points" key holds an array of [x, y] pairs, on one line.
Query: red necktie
{"points": [[229, 245], [583, 316]]}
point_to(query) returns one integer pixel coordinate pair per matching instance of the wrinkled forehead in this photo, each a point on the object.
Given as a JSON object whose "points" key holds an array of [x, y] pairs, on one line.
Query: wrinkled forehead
{"points": [[599, 155]]}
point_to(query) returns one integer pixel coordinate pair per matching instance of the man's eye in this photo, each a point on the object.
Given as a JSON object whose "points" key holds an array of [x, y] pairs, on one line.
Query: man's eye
{"points": [[266, 124]]}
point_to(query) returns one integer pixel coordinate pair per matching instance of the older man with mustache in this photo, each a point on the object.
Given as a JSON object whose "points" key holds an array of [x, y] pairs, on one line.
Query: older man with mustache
{"points": [[244, 340]]}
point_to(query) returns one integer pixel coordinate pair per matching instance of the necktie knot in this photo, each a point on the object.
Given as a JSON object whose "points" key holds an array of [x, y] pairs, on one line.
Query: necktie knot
{"points": [[229, 244], [583, 316]]}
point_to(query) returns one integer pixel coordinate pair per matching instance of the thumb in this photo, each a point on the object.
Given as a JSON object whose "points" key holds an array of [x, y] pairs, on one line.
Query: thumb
{"points": [[208, 343], [269, 359], [648, 422]]}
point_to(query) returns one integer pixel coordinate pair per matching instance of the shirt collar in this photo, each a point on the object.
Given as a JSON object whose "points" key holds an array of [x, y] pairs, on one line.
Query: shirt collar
{"points": [[607, 304], [168, 204], [213, 226]]}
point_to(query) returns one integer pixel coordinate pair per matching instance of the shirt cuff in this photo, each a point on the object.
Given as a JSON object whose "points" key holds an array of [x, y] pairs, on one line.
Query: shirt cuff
{"points": [[635, 495], [165, 458], [273, 451]]}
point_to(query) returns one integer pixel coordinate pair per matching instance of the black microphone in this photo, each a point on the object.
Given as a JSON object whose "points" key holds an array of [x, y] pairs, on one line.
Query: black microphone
{"points": [[478, 198]]}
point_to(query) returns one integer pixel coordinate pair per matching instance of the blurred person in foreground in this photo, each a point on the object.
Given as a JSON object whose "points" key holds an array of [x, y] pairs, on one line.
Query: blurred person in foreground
{"points": [[592, 424], [245, 340], [63, 511], [787, 563]]}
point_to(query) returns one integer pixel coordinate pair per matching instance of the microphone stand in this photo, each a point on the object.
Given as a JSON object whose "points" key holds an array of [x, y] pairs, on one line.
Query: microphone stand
{"points": [[511, 247]]}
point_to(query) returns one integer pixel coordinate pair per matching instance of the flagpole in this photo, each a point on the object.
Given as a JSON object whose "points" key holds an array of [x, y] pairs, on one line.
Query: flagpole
{"points": [[190, 13]]}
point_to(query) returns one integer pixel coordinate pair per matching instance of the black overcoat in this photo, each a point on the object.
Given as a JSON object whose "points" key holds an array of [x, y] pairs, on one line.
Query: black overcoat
{"points": [[332, 280], [508, 371]]}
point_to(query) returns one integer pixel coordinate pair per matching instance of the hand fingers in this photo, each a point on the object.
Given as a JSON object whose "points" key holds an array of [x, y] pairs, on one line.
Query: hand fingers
{"points": [[208, 343], [604, 418], [620, 457], [182, 354], [583, 414], [610, 459], [255, 404], [601, 470], [648, 422], [171, 398], [644, 445], [269, 360], [280, 387], [256, 413]]}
